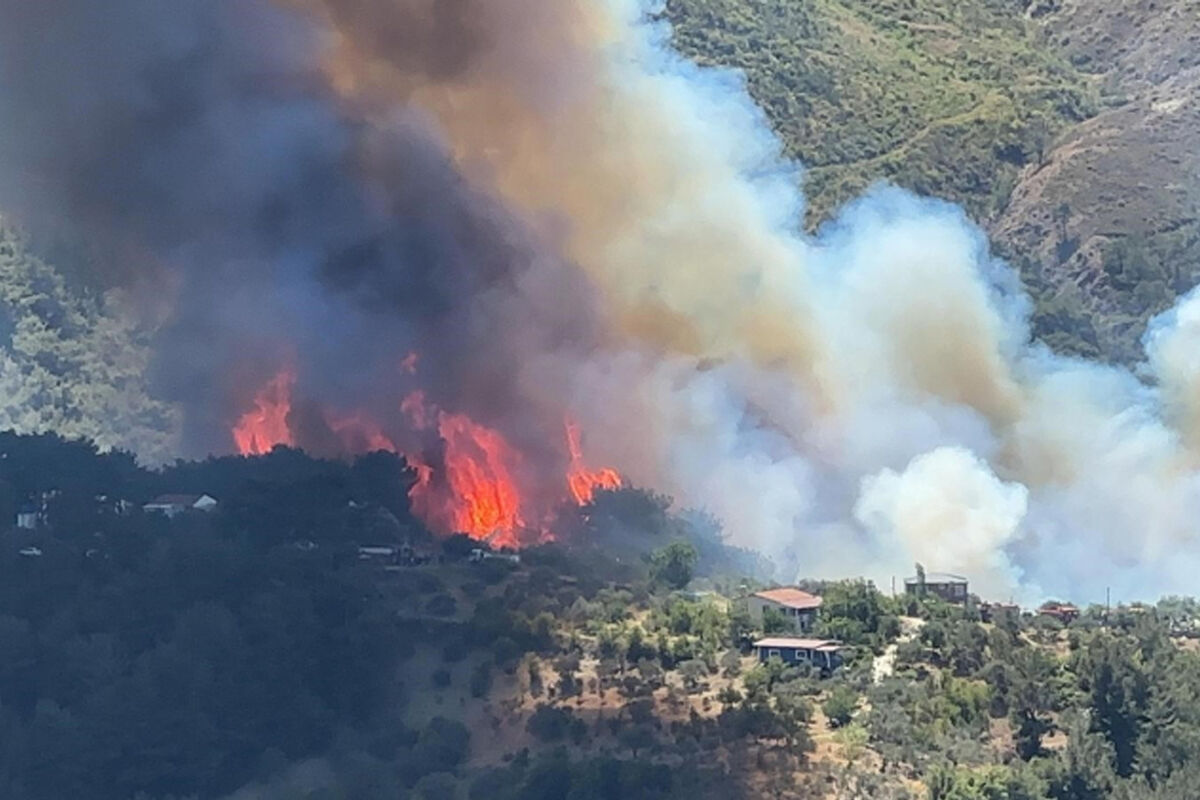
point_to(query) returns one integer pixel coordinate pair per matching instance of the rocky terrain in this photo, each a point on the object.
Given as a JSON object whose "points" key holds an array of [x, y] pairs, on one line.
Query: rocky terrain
{"points": [[1109, 218], [1068, 128]]}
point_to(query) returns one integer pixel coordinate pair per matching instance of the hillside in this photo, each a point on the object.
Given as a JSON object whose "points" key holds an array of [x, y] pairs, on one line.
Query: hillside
{"points": [[1066, 128], [70, 362], [253, 651]]}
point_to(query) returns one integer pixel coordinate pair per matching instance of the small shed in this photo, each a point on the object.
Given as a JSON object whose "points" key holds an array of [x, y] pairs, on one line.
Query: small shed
{"points": [[825, 654]]}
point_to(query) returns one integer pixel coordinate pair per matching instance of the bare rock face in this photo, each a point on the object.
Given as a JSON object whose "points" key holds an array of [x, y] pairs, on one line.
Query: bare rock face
{"points": [[1110, 218]]}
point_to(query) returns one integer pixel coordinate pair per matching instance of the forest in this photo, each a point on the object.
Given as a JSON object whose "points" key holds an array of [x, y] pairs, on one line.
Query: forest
{"points": [[251, 652]]}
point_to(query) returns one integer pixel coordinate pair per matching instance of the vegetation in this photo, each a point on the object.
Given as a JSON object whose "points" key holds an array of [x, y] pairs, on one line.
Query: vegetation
{"points": [[948, 99], [251, 648], [969, 101]]}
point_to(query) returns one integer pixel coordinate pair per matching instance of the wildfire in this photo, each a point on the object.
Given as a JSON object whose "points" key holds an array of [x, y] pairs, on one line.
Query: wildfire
{"points": [[475, 492], [583, 482], [360, 434], [467, 484], [266, 426]]}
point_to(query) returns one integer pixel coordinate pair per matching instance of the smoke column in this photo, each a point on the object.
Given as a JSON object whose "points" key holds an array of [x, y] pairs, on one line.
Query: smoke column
{"points": [[565, 220]]}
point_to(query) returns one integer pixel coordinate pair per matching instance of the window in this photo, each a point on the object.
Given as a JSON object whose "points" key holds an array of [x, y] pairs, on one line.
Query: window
{"points": [[773, 653]]}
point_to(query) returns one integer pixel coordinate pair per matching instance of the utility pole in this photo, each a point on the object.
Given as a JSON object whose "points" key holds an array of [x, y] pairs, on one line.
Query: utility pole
{"points": [[1107, 603]]}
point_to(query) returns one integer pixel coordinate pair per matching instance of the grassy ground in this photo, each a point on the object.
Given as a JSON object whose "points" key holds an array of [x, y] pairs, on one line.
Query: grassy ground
{"points": [[950, 99]]}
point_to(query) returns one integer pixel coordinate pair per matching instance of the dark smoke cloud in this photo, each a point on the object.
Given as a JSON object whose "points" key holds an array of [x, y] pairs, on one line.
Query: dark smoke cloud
{"points": [[294, 230]]}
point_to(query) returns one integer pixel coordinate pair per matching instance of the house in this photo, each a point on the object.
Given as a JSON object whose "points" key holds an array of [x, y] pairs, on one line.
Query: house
{"points": [[797, 607], [174, 504], [411, 556], [28, 517], [999, 612], [825, 654], [379, 554], [479, 554], [1063, 612], [951, 588]]}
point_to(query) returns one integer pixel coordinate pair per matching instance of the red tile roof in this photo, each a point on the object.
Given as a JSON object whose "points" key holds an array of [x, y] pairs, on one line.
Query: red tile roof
{"points": [[792, 598]]}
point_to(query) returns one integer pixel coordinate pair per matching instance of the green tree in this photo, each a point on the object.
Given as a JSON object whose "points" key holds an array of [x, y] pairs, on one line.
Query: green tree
{"points": [[840, 705], [674, 564], [1111, 673], [549, 723]]}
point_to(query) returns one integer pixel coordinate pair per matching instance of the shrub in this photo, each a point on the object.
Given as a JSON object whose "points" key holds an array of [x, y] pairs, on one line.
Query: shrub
{"points": [[840, 706], [481, 679], [441, 605], [548, 723]]}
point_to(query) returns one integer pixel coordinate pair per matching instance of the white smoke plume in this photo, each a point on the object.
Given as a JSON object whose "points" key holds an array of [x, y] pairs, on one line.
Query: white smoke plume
{"points": [[948, 507], [818, 393]]}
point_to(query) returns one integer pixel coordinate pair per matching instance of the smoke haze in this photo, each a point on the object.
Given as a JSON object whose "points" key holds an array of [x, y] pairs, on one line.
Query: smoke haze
{"points": [[565, 219]]}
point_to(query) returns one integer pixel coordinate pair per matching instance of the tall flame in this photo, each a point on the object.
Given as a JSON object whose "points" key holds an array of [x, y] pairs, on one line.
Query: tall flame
{"points": [[583, 482], [471, 488], [266, 426], [477, 494]]}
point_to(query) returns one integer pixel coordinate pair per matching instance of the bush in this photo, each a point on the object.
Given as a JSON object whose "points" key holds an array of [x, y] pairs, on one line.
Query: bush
{"points": [[442, 605], [548, 723], [426, 582], [442, 746], [437, 786], [481, 679], [455, 651], [840, 706], [506, 652]]}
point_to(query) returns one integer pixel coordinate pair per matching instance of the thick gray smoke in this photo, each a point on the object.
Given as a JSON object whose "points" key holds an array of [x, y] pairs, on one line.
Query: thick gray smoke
{"points": [[292, 231], [562, 217]]}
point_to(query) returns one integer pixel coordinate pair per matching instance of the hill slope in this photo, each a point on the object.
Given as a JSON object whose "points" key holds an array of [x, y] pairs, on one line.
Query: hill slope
{"points": [[1066, 128], [71, 364]]}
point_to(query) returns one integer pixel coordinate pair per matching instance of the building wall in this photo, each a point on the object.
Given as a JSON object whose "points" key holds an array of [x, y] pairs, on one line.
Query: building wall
{"points": [[950, 592], [802, 620], [791, 655]]}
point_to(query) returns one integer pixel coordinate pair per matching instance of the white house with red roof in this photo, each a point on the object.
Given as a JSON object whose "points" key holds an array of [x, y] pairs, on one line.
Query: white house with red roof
{"points": [[795, 605]]}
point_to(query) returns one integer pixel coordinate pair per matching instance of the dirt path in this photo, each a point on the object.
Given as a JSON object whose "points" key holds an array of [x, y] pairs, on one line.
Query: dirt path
{"points": [[884, 665]]}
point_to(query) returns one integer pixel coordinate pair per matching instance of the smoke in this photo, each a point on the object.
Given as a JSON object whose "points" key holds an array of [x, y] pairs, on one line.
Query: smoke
{"points": [[294, 229], [565, 219], [948, 506]]}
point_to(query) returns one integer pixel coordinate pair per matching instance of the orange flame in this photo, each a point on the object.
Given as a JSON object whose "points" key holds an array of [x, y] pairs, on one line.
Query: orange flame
{"points": [[473, 490], [261, 429], [582, 481], [479, 496]]}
